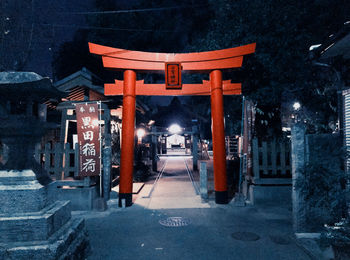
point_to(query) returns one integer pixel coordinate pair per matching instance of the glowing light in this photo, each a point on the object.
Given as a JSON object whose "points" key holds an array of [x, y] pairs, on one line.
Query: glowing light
{"points": [[312, 47], [140, 133], [296, 106], [174, 129]]}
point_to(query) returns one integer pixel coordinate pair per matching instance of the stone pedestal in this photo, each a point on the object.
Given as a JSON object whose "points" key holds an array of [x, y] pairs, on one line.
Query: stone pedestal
{"points": [[33, 227], [81, 198], [270, 190]]}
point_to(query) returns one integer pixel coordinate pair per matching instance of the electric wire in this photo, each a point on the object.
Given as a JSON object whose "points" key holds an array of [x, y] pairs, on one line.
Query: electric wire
{"points": [[135, 10], [103, 28]]}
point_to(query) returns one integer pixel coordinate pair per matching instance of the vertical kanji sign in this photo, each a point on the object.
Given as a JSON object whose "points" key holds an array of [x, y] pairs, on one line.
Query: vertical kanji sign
{"points": [[88, 129], [247, 135], [173, 75]]}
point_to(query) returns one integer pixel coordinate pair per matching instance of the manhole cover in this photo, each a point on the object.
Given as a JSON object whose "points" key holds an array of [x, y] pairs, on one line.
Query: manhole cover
{"points": [[245, 236], [175, 222], [280, 240]]}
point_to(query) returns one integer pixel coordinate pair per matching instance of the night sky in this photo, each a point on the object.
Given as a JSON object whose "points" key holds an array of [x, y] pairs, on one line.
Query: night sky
{"points": [[54, 22], [34, 31], [53, 26], [48, 24]]}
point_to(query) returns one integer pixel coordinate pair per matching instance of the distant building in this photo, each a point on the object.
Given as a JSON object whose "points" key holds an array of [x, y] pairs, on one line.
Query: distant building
{"points": [[82, 86]]}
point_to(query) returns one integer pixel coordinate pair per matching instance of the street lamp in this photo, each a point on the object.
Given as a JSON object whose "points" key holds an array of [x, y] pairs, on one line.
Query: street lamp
{"points": [[174, 129], [140, 134], [296, 114], [296, 106]]}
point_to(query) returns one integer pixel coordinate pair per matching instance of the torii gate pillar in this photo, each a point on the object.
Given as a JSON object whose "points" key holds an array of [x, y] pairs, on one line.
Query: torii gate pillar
{"points": [[127, 151], [218, 134]]}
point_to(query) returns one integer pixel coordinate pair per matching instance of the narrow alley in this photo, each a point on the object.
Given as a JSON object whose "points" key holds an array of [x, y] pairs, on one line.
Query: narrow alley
{"points": [[170, 222]]}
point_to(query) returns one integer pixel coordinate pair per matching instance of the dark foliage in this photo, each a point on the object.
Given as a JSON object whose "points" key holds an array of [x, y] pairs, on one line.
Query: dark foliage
{"points": [[323, 181], [141, 170], [338, 236], [280, 70]]}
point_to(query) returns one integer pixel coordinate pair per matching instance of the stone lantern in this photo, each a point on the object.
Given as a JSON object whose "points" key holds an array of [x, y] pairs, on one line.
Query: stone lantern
{"points": [[31, 225], [23, 119]]}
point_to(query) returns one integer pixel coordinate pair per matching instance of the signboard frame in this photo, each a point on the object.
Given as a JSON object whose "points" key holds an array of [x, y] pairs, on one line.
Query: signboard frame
{"points": [[88, 116], [173, 75]]}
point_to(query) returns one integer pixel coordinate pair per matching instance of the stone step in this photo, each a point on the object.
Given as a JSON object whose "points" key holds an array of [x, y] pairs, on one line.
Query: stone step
{"points": [[69, 242], [16, 177], [20, 227]]}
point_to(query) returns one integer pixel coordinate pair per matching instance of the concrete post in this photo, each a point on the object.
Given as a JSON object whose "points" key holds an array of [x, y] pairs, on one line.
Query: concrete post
{"points": [[164, 142], [203, 179], [195, 148], [107, 165], [298, 166], [347, 197], [154, 149]]}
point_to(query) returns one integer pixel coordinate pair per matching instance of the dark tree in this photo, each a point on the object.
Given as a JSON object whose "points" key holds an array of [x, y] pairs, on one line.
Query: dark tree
{"points": [[279, 70]]}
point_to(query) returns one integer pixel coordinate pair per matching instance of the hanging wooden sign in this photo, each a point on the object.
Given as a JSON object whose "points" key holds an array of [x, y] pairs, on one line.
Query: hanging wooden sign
{"points": [[173, 75], [88, 129]]}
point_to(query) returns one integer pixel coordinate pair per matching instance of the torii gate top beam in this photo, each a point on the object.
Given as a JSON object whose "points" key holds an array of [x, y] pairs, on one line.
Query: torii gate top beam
{"points": [[121, 59]]}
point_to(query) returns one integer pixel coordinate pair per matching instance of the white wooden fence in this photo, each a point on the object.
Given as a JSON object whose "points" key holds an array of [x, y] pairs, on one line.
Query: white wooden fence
{"points": [[271, 159]]}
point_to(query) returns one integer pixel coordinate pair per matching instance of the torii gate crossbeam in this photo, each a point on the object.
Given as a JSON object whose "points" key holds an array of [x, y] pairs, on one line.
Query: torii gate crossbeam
{"points": [[211, 62], [143, 89]]}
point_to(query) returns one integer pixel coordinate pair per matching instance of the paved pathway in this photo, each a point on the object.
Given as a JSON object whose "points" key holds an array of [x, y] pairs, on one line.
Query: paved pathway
{"points": [[214, 232], [174, 188]]}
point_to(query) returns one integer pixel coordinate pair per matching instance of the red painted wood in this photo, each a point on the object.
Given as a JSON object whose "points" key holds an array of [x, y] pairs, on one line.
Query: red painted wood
{"points": [[171, 57], [218, 131], [160, 89], [200, 66], [127, 150]]}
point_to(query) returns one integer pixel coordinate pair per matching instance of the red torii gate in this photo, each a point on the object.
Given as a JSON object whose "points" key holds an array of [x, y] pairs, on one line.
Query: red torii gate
{"points": [[211, 62]]}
